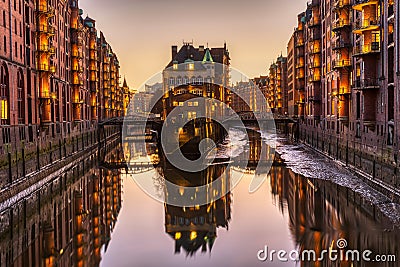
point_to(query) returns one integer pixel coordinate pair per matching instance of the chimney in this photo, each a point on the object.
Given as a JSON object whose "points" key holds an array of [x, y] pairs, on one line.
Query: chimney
{"points": [[201, 48], [174, 51]]}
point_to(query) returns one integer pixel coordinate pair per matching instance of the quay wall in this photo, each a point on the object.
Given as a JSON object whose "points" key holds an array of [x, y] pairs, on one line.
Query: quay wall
{"points": [[377, 166]]}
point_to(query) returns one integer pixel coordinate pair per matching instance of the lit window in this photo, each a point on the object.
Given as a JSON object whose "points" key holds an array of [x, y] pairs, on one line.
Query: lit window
{"points": [[196, 104], [4, 109], [192, 115], [181, 104], [175, 66], [175, 103], [191, 66]]}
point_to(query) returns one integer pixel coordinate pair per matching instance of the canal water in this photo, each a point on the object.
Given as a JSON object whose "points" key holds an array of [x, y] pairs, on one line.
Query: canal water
{"points": [[96, 214]]}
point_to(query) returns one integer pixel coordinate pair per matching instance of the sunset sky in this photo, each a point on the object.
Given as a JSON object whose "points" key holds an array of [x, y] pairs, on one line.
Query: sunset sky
{"points": [[141, 32]]}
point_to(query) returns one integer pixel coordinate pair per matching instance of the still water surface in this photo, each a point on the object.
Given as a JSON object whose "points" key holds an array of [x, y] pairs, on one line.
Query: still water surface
{"points": [[94, 215]]}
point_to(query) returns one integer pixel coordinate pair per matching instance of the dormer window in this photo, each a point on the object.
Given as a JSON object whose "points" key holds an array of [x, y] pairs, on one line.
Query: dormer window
{"points": [[191, 66], [175, 65]]}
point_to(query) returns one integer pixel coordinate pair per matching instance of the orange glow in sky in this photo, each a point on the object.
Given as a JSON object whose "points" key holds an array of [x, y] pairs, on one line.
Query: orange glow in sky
{"points": [[141, 32]]}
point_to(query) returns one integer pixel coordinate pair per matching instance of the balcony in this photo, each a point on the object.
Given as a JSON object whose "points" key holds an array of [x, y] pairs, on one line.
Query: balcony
{"points": [[340, 24], [359, 4], [47, 29], [339, 4], [314, 78], [299, 65], [344, 91], [47, 49], [45, 10], [314, 22], [314, 64], [341, 63], [77, 54], [77, 68], [315, 49], [340, 44], [93, 67], [370, 24], [43, 67], [299, 42], [314, 36], [48, 95], [368, 49], [367, 83]]}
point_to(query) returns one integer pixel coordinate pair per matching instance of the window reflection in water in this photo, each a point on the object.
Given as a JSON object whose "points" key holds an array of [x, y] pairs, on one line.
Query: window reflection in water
{"points": [[321, 212], [67, 221]]}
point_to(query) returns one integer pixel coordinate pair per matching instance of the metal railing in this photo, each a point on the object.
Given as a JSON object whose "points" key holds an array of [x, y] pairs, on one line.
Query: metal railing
{"points": [[366, 83], [364, 24], [366, 49], [341, 4], [338, 44], [341, 23], [340, 63]]}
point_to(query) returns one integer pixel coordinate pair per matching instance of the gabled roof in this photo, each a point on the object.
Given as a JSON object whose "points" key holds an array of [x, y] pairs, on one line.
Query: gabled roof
{"points": [[207, 56], [188, 51]]}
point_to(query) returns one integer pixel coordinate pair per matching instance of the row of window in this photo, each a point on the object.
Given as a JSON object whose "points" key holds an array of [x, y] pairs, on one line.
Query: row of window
{"points": [[16, 50], [5, 97], [185, 80], [189, 104]]}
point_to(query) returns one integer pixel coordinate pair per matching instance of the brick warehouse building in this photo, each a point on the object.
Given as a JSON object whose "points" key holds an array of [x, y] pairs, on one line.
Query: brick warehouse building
{"points": [[59, 77], [344, 57]]}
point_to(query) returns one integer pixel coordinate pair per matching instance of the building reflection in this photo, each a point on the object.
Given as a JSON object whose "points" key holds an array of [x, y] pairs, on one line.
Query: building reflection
{"points": [[194, 228], [67, 221], [321, 212]]}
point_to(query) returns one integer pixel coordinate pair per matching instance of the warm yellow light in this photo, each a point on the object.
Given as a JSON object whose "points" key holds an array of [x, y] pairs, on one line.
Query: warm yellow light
{"points": [[178, 235], [4, 109], [193, 235], [181, 191]]}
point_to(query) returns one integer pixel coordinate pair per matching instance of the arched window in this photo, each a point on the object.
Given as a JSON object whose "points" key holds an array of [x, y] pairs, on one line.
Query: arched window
{"points": [[56, 103], [4, 97], [21, 97], [179, 80]]}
